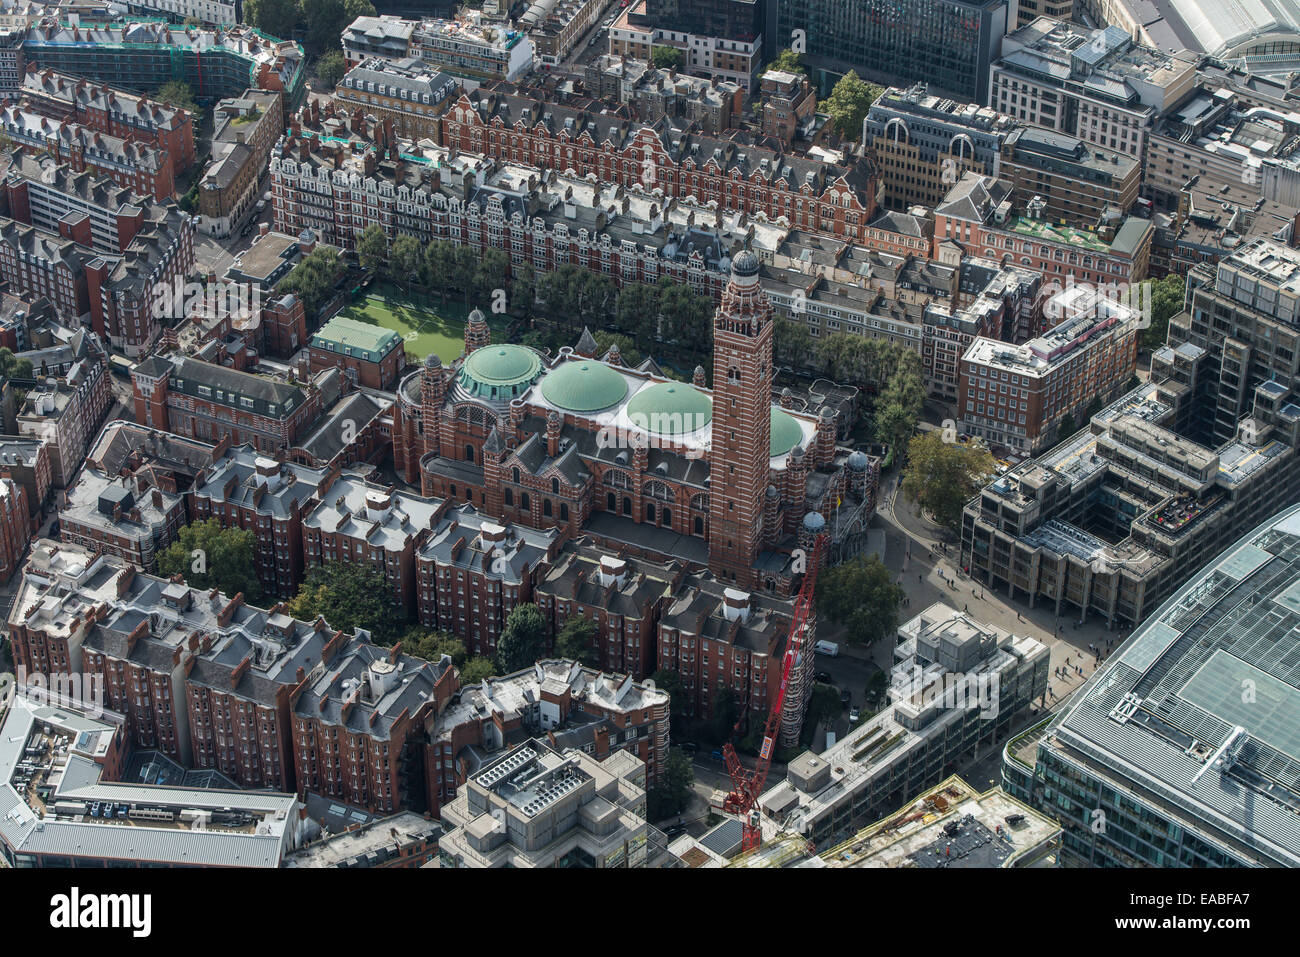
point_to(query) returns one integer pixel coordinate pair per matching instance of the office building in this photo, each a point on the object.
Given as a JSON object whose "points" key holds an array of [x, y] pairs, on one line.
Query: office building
{"points": [[949, 44], [1097, 85], [61, 771], [1017, 397], [718, 38], [923, 144], [1177, 752], [957, 688], [537, 806]]}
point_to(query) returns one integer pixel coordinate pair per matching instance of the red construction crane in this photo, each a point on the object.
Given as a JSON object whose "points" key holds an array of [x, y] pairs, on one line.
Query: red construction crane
{"points": [[748, 785]]}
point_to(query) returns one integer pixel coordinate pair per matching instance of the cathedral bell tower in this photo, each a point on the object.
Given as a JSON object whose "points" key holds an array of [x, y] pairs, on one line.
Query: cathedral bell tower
{"points": [[742, 423]]}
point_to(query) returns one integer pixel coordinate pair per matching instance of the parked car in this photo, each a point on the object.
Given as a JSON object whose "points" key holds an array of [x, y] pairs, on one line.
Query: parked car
{"points": [[846, 697], [854, 715], [690, 747], [824, 677], [672, 830]]}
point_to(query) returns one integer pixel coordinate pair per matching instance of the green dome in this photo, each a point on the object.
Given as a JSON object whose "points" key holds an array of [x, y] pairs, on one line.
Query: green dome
{"points": [[500, 371], [786, 433], [584, 385], [670, 408]]}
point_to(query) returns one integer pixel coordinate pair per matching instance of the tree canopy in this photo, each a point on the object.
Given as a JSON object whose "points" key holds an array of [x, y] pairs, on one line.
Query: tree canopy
{"points": [[523, 639], [11, 367], [314, 278], [372, 248], [208, 556], [788, 61], [849, 102], [577, 640], [178, 94], [943, 476], [667, 58], [673, 794], [1167, 297], [331, 67], [861, 596], [350, 595]]}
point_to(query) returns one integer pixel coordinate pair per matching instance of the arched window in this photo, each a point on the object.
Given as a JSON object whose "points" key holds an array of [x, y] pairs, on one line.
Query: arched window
{"points": [[611, 502], [627, 505], [700, 502], [514, 475], [564, 511], [510, 497], [469, 452], [546, 507], [616, 479], [524, 503], [451, 492], [555, 486], [649, 511], [657, 490], [699, 525]]}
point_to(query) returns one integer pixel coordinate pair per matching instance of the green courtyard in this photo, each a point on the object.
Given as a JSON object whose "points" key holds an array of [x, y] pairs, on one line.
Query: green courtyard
{"points": [[426, 327]]}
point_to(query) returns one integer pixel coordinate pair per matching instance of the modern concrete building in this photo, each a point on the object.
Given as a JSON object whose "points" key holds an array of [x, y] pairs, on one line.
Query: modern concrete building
{"points": [[1097, 85], [557, 699], [1179, 750], [536, 806], [953, 825], [958, 687], [60, 769]]}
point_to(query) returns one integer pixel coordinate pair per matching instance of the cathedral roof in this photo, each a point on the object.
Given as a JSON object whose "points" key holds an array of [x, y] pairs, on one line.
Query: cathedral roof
{"points": [[500, 371], [583, 385]]}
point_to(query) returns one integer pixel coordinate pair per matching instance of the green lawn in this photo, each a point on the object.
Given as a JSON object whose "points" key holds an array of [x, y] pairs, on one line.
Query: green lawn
{"points": [[425, 328]]}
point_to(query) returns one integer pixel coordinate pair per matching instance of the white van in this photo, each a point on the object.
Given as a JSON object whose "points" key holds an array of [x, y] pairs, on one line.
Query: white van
{"points": [[828, 648]]}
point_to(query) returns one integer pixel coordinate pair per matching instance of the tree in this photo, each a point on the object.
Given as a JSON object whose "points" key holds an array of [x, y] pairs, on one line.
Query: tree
{"points": [[372, 248], [631, 357], [673, 794], [636, 313], [490, 274], [561, 293], [687, 317], [523, 639], [326, 20], [438, 267], [11, 367], [208, 556], [900, 405], [943, 476], [792, 343], [860, 595], [667, 58], [350, 595], [788, 61], [849, 102], [331, 67], [314, 278], [1167, 298], [177, 94], [421, 642], [577, 640], [476, 670], [405, 259], [278, 18], [523, 291]]}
